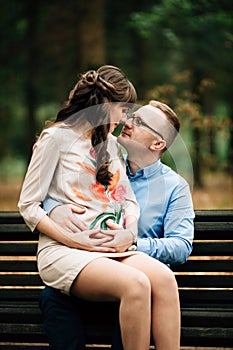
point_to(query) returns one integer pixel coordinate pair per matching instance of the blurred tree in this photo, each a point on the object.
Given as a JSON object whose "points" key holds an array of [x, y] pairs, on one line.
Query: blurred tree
{"points": [[199, 34], [177, 50], [32, 50], [46, 46], [12, 29], [91, 33]]}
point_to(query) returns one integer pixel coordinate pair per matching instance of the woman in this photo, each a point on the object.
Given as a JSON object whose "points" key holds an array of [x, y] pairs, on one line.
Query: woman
{"points": [[77, 161]]}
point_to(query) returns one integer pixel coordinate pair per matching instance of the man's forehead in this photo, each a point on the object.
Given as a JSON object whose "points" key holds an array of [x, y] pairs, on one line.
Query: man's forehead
{"points": [[150, 112]]}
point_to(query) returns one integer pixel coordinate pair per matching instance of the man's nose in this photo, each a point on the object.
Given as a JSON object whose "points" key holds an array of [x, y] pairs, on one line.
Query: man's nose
{"points": [[128, 123]]}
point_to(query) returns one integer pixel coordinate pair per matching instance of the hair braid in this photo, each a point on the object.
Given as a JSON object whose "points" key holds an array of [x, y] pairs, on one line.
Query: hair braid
{"points": [[95, 88], [99, 142]]}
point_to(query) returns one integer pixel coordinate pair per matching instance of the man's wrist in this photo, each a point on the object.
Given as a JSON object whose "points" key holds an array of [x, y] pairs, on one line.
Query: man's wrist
{"points": [[133, 246], [134, 236]]}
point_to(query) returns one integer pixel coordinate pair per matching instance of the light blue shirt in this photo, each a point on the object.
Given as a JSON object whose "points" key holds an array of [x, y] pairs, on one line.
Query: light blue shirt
{"points": [[165, 227]]}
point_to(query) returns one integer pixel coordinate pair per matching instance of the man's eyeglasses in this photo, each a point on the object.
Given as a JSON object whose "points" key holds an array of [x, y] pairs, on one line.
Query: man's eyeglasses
{"points": [[137, 121]]}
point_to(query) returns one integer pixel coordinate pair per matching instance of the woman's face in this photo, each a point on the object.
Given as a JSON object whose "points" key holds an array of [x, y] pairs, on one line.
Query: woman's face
{"points": [[117, 111]]}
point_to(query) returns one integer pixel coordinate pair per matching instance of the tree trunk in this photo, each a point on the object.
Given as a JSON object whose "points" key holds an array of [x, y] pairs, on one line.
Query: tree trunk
{"points": [[91, 33], [197, 157], [31, 81], [230, 156]]}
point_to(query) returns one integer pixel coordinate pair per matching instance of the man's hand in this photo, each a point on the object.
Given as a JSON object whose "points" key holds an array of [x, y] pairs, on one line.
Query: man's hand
{"points": [[64, 216]]}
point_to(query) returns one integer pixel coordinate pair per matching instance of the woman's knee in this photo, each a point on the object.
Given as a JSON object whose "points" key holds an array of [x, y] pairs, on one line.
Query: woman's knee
{"points": [[165, 283], [139, 286]]}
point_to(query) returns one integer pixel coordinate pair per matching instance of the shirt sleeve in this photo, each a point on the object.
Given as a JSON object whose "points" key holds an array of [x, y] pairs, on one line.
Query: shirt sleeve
{"points": [[49, 204], [176, 245], [38, 178]]}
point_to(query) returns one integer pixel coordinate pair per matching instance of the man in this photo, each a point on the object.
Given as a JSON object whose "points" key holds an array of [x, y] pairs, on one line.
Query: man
{"points": [[166, 213]]}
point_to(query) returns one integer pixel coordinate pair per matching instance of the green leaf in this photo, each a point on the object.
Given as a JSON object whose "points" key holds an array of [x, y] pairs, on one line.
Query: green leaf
{"points": [[99, 217]]}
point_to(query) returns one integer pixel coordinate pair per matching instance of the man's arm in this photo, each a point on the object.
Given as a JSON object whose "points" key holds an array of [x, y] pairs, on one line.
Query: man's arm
{"points": [[176, 244], [49, 204]]}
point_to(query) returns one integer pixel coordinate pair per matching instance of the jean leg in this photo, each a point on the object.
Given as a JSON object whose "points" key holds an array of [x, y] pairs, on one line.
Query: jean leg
{"points": [[116, 340], [62, 320]]}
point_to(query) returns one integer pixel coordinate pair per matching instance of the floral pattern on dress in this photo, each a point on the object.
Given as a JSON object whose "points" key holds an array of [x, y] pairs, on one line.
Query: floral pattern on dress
{"points": [[112, 196]]}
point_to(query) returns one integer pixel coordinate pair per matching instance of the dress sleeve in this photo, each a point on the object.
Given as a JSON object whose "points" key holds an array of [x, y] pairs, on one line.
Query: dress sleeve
{"points": [[38, 178]]}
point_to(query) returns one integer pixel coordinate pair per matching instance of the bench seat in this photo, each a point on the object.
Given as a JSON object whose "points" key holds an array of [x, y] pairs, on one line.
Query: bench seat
{"points": [[205, 287]]}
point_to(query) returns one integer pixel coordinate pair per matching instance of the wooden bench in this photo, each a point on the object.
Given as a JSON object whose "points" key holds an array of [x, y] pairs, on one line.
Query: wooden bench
{"points": [[205, 285]]}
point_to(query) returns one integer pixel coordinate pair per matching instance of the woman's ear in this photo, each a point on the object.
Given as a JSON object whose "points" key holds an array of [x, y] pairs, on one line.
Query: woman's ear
{"points": [[158, 145]]}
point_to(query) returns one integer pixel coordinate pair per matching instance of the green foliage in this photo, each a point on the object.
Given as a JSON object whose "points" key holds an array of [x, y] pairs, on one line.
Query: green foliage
{"points": [[178, 51]]}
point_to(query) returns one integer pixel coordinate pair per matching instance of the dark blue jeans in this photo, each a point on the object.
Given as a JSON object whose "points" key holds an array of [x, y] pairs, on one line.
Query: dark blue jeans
{"points": [[63, 321]]}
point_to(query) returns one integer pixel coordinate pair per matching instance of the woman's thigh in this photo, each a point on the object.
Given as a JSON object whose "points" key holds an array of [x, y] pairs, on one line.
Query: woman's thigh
{"points": [[107, 279], [155, 270]]}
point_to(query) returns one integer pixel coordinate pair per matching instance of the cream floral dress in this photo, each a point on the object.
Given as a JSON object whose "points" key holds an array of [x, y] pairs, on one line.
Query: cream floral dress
{"points": [[63, 166]]}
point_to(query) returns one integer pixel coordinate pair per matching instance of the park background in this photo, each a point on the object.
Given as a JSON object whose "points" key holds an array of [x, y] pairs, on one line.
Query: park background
{"points": [[177, 51]]}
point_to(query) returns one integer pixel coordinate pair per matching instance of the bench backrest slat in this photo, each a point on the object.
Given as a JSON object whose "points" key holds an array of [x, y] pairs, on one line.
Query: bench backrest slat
{"points": [[212, 254]]}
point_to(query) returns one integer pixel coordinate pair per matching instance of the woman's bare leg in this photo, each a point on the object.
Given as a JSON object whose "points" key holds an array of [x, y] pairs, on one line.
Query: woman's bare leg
{"points": [[165, 301], [106, 279]]}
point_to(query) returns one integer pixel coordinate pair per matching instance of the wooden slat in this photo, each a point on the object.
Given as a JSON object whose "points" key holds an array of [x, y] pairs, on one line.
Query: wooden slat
{"points": [[208, 297], [18, 266], [199, 248], [20, 294], [212, 248], [214, 215], [204, 317], [205, 281], [17, 233], [190, 266], [188, 297], [220, 226], [13, 227], [25, 312], [200, 336], [18, 248], [10, 216], [200, 265], [30, 279], [22, 332], [26, 346], [183, 279]]}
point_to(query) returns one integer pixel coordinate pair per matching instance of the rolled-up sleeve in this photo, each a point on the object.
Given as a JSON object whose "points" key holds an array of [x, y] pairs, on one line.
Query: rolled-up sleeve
{"points": [[38, 178], [176, 244]]}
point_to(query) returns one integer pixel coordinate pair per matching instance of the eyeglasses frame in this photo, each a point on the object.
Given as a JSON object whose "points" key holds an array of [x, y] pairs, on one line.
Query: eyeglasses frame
{"points": [[142, 123]]}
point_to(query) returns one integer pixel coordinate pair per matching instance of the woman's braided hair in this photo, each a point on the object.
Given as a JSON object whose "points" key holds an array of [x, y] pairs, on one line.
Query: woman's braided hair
{"points": [[94, 88]]}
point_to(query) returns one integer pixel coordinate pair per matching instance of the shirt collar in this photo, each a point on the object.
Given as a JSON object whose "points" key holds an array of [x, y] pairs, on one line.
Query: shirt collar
{"points": [[144, 172]]}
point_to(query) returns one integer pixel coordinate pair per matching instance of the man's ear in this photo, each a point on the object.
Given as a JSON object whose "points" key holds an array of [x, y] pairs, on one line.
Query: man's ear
{"points": [[158, 145]]}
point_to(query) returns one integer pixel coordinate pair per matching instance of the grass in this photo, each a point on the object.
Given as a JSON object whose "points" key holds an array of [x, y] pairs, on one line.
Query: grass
{"points": [[217, 193]]}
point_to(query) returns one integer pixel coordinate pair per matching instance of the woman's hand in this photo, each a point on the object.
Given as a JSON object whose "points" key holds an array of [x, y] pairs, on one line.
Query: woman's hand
{"points": [[116, 239], [93, 240], [122, 238], [81, 238], [64, 216]]}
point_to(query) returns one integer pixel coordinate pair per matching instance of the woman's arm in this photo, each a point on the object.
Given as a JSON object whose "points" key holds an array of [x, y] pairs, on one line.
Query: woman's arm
{"points": [[38, 178], [45, 158], [87, 240]]}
